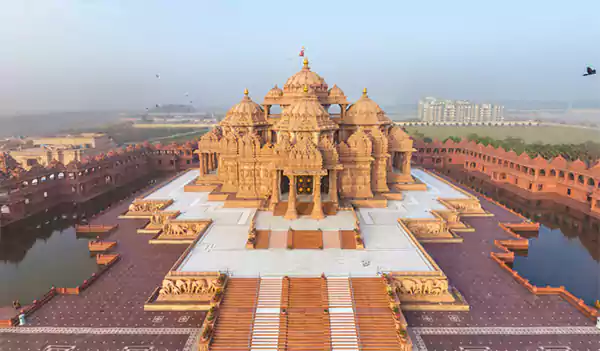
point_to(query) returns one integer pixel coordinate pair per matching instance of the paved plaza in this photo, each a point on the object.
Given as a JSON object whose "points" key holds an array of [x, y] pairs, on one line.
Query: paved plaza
{"points": [[109, 315]]}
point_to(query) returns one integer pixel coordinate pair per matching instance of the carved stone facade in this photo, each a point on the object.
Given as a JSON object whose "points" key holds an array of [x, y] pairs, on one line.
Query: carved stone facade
{"points": [[148, 207], [188, 288], [181, 228], [305, 150], [416, 288]]}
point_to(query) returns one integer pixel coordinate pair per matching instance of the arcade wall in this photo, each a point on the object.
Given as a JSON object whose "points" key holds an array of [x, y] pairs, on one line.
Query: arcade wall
{"points": [[574, 180]]}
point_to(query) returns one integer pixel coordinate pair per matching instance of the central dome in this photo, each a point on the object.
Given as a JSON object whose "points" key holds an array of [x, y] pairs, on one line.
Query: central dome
{"points": [[306, 77]]}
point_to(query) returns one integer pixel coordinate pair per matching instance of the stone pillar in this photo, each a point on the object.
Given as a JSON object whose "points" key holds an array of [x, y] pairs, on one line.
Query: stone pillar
{"points": [[406, 163], [333, 192], [202, 165], [291, 210], [275, 191], [317, 211]]}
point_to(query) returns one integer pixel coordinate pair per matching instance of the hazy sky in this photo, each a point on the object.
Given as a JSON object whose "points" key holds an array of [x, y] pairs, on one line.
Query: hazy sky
{"points": [[103, 54]]}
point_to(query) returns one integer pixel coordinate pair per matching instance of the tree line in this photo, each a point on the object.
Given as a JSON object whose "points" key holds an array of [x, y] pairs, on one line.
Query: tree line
{"points": [[588, 151]]}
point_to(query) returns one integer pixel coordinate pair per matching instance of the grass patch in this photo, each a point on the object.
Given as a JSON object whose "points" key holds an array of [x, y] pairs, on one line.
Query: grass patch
{"points": [[530, 135]]}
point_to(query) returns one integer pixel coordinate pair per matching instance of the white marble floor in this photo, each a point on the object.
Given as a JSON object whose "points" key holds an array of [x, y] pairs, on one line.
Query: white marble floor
{"points": [[388, 246]]}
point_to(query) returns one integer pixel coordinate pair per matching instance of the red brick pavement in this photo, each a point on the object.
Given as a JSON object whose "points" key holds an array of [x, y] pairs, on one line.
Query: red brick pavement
{"points": [[511, 342], [81, 342]]}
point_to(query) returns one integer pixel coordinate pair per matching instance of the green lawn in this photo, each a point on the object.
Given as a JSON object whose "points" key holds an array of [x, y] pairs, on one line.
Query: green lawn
{"points": [[544, 134]]}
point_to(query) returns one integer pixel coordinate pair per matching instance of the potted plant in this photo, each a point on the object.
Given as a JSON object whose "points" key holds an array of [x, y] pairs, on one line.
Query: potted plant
{"points": [[217, 296], [221, 279], [207, 333]]}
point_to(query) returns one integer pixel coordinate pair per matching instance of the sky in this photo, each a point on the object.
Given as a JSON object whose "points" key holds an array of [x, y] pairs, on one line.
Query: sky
{"points": [[60, 55]]}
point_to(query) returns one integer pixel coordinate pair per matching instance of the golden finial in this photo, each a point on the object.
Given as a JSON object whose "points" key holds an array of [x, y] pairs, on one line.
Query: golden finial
{"points": [[246, 91], [305, 62], [365, 92], [305, 88]]}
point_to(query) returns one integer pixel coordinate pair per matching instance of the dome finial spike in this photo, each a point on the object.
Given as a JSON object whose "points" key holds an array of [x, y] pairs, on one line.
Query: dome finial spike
{"points": [[246, 91], [305, 62], [365, 92], [305, 88]]}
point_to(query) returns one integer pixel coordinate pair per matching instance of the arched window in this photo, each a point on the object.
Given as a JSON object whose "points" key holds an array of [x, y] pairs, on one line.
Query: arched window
{"points": [[591, 182], [43, 179], [561, 174], [580, 179], [51, 177], [571, 176], [542, 172], [61, 175], [553, 173], [34, 182]]}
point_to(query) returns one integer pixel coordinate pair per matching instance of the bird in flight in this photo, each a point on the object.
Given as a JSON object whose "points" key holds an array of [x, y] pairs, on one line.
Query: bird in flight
{"points": [[590, 71]]}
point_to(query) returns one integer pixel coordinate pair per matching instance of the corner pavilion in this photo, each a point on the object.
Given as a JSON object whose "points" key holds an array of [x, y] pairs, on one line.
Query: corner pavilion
{"points": [[302, 213]]}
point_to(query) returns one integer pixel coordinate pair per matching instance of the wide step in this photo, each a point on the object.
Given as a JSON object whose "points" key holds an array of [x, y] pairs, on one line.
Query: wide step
{"points": [[341, 315], [265, 331]]}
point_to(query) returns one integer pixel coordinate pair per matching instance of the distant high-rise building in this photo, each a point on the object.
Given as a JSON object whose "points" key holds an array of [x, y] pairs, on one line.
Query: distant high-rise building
{"points": [[433, 110]]}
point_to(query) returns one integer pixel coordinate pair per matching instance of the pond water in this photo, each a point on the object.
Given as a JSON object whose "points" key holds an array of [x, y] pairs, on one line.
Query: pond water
{"points": [[44, 250], [565, 251]]}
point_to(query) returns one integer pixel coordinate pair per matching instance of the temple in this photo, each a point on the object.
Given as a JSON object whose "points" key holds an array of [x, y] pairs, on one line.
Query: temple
{"points": [[307, 229], [294, 215]]}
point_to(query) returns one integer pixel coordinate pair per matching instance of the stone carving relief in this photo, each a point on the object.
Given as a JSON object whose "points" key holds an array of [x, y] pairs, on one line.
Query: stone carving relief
{"points": [[157, 219], [182, 228], [146, 206], [421, 286], [425, 227], [467, 205], [192, 287]]}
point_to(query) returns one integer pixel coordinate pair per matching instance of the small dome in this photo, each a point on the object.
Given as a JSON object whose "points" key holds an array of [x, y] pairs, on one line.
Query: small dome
{"points": [[335, 91], [245, 113], [275, 92], [366, 112], [305, 77]]}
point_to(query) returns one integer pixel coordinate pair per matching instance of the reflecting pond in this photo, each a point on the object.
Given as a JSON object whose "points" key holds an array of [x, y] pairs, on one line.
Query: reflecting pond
{"points": [[565, 251], [44, 250]]}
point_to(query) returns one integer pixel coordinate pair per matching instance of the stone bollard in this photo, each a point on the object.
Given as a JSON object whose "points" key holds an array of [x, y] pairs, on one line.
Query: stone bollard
{"points": [[598, 322]]}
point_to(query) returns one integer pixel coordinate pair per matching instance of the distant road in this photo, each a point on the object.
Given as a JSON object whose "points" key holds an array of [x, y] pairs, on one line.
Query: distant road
{"points": [[400, 123], [173, 125]]}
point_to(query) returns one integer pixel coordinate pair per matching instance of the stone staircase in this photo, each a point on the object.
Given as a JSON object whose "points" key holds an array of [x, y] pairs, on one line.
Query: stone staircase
{"points": [[233, 328], [265, 331], [341, 315], [373, 315], [307, 323]]}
